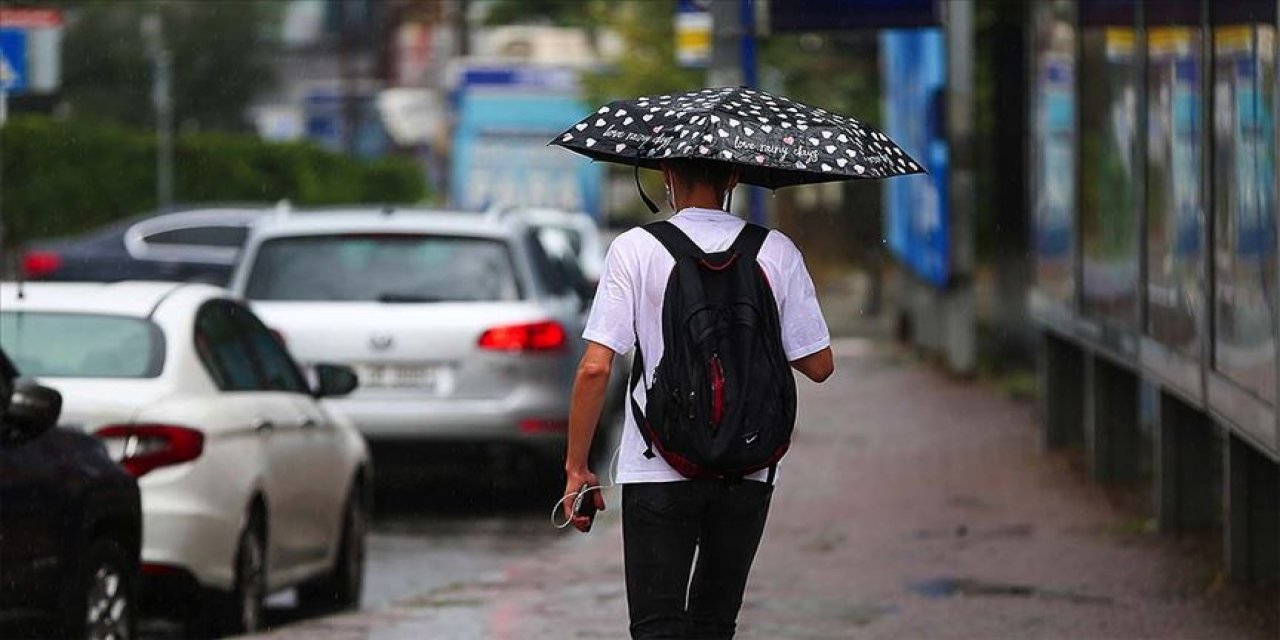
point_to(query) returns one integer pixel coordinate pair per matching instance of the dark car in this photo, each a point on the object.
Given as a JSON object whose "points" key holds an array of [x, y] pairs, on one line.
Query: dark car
{"points": [[199, 245], [70, 523]]}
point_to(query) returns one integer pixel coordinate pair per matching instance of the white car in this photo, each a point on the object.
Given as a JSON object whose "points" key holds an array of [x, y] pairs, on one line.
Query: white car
{"points": [[576, 232], [249, 483]]}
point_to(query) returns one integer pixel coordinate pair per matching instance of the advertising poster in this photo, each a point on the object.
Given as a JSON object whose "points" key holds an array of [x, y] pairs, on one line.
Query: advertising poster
{"points": [[916, 226], [1055, 204], [1108, 177], [1176, 211], [500, 157], [1245, 205], [1053, 153]]}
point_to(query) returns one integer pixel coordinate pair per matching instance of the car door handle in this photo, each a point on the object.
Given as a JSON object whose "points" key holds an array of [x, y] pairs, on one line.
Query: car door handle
{"points": [[263, 424], [307, 422]]}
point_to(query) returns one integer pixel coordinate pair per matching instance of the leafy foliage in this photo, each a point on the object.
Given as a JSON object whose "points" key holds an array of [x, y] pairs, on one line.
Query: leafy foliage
{"points": [[66, 177], [220, 60], [560, 13], [648, 62]]}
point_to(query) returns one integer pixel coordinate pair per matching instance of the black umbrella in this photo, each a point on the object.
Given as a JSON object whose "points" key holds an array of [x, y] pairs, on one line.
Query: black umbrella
{"points": [[775, 141]]}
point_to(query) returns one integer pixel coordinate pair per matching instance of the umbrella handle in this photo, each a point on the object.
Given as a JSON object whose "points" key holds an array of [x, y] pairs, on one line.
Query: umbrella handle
{"points": [[653, 208]]}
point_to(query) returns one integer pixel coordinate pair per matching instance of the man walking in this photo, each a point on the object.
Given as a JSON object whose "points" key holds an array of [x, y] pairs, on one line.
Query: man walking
{"points": [[667, 516]]}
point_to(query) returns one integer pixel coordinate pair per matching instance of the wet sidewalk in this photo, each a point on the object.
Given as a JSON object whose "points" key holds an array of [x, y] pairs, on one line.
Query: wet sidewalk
{"points": [[911, 506]]}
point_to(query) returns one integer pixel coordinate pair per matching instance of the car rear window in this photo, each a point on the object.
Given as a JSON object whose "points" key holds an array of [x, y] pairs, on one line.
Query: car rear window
{"points": [[212, 236], [383, 268], [80, 345]]}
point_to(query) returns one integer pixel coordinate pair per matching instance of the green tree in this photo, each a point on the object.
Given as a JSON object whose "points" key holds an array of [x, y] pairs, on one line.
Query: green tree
{"points": [[220, 53], [647, 64], [561, 13]]}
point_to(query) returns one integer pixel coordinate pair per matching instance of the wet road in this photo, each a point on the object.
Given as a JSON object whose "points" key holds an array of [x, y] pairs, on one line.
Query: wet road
{"points": [[424, 539], [462, 522]]}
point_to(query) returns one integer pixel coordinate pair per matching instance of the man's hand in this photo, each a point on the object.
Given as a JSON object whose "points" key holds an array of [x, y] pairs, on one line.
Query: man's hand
{"points": [[576, 479], [589, 387]]}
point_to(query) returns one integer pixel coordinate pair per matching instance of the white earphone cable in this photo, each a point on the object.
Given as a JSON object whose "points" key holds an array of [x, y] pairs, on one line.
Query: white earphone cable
{"points": [[578, 497]]}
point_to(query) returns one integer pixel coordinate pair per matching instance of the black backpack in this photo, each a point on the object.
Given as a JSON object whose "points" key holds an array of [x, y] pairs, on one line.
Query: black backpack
{"points": [[722, 402]]}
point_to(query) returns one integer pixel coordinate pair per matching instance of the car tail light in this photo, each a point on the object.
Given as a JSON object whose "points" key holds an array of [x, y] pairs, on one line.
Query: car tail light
{"points": [[535, 336], [140, 448], [531, 426], [157, 569], [36, 264]]}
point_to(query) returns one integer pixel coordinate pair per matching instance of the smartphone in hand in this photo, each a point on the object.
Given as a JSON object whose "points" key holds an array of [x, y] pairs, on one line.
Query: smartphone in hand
{"points": [[585, 504]]}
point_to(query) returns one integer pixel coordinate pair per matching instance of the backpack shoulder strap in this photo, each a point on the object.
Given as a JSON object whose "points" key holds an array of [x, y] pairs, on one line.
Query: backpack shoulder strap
{"points": [[637, 414], [749, 240], [674, 240]]}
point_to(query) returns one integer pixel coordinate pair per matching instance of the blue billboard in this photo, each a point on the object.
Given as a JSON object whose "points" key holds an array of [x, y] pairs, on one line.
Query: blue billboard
{"points": [[916, 224], [505, 118]]}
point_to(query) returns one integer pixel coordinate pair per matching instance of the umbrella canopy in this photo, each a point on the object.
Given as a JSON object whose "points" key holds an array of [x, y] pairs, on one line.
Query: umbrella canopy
{"points": [[776, 142]]}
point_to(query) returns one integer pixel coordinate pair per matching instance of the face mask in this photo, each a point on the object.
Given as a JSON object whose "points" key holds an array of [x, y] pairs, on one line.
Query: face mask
{"points": [[671, 201]]}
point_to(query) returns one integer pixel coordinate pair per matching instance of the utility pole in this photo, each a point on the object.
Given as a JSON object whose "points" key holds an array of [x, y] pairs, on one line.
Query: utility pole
{"points": [[959, 338], [162, 100], [733, 63], [462, 27], [346, 80]]}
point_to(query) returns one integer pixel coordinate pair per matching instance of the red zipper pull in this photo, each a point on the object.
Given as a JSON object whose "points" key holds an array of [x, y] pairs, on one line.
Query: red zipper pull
{"points": [[717, 390]]}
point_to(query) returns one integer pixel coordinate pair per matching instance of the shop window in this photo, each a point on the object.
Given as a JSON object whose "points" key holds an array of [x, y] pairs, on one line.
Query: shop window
{"points": [[1176, 207], [1053, 150], [1108, 164], [1244, 199]]}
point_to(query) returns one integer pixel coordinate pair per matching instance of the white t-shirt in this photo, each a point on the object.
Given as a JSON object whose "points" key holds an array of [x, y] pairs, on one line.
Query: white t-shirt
{"points": [[629, 301]]}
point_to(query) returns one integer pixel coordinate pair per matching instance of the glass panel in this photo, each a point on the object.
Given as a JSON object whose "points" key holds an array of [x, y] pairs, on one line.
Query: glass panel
{"points": [[1244, 206], [1108, 120], [76, 345], [214, 236], [221, 346], [383, 267], [1054, 150], [279, 373], [1176, 208]]}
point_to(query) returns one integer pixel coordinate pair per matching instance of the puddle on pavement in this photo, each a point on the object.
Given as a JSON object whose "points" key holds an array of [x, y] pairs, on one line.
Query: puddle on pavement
{"points": [[848, 612], [825, 542], [948, 587], [1017, 530], [429, 602]]}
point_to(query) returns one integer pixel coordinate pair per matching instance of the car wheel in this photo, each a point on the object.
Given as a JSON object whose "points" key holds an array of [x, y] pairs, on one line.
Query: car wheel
{"points": [[341, 587], [103, 605], [241, 610]]}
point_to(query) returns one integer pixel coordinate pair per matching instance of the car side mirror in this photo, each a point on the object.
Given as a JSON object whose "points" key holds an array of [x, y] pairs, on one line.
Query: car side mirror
{"points": [[334, 380], [33, 409]]}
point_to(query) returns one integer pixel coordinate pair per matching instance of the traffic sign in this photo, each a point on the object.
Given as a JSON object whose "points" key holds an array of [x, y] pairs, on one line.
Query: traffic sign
{"points": [[24, 18], [13, 60]]}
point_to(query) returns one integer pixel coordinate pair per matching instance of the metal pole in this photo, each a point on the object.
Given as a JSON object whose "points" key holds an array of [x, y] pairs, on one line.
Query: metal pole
{"points": [[747, 13], [164, 129], [162, 100], [960, 340], [4, 116]]}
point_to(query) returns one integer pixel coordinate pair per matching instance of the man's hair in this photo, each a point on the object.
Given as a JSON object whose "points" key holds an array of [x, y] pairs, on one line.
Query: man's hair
{"points": [[698, 171]]}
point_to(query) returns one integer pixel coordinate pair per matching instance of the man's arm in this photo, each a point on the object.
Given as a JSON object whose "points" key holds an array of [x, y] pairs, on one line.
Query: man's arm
{"points": [[816, 366], [589, 388]]}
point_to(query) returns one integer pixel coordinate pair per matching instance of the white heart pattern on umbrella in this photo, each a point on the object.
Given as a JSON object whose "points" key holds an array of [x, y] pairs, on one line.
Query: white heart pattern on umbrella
{"points": [[779, 142]]}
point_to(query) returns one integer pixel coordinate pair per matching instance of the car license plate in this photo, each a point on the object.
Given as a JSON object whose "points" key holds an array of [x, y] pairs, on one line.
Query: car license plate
{"points": [[400, 376]]}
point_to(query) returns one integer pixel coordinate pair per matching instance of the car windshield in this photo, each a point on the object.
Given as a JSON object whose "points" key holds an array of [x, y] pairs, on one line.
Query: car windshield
{"points": [[79, 345], [383, 268]]}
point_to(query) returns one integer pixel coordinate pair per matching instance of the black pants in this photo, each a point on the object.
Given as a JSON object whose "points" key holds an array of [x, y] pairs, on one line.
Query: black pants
{"points": [[662, 524]]}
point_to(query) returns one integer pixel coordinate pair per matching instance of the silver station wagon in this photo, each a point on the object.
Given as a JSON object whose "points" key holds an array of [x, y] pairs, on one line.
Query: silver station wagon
{"points": [[459, 326]]}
